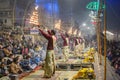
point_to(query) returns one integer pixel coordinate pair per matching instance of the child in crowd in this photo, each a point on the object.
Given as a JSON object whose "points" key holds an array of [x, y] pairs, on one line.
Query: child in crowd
{"points": [[24, 50], [26, 63], [6, 51], [3, 70], [37, 60], [15, 68], [10, 59], [1, 52]]}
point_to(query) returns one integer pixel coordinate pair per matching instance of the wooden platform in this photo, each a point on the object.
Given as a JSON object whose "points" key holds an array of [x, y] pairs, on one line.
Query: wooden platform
{"points": [[72, 65], [60, 75]]}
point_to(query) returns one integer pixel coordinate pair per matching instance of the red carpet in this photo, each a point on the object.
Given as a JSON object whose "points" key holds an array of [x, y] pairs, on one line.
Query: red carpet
{"points": [[28, 73]]}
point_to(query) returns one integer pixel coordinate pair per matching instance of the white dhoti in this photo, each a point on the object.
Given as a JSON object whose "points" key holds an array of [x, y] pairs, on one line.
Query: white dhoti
{"points": [[49, 66], [66, 52], [76, 50], [80, 48]]}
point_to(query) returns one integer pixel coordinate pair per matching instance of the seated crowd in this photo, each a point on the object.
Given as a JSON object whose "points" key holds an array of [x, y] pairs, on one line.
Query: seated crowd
{"points": [[18, 56], [113, 54]]}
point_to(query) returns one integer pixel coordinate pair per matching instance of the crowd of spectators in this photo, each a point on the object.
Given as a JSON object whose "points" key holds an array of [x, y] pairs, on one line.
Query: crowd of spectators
{"points": [[19, 55], [113, 55]]}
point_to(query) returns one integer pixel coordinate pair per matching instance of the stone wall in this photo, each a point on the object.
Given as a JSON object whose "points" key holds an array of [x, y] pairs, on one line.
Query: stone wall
{"points": [[4, 4]]}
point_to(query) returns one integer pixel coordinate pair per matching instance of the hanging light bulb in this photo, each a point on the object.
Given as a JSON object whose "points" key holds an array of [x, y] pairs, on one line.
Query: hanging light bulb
{"points": [[36, 8]]}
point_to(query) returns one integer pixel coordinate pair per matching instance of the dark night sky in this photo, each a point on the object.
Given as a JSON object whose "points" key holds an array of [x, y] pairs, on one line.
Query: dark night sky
{"points": [[76, 9], [80, 14], [113, 18]]}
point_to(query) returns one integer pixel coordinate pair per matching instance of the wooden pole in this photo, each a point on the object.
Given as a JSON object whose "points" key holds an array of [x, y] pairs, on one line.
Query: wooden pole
{"points": [[99, 30], [105, 45], [14, 14], [100, 43], [98, 40]]}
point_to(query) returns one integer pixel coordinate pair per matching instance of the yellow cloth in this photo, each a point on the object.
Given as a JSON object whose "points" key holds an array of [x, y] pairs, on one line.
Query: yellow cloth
{"points": [[37, 48], [82, 73], [88, 59]]}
